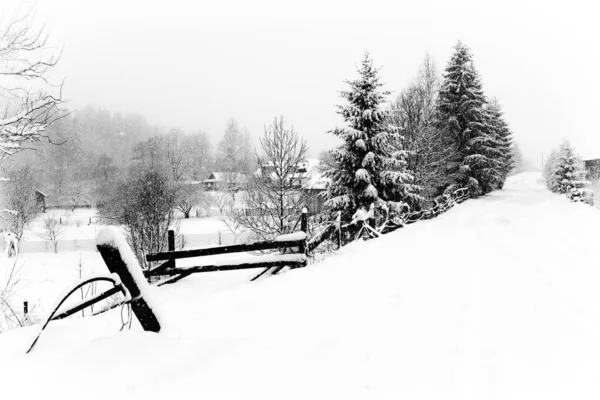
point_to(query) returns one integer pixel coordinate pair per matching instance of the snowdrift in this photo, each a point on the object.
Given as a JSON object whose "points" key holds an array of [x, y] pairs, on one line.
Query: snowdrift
{"points": [[497, 298]]}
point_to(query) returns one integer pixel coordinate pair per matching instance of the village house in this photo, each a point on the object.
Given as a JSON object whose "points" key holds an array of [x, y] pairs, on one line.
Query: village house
{"points": [[225, 181], [307, 178]]}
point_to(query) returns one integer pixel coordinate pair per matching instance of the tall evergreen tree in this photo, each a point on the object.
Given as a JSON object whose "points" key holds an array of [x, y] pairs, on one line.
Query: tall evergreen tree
{"points": [[461, 118], [371, 163], [499, 131]]}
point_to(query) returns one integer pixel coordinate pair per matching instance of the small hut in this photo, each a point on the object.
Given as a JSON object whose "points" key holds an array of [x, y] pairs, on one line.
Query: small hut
{"points": [[40, 199]]}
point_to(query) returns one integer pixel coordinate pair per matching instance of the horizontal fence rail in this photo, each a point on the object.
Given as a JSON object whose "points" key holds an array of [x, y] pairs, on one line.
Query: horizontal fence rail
{"points": [[211, 251]]}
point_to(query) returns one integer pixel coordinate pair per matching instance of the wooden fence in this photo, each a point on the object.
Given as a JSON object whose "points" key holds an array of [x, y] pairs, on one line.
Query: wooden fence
{"points": [[292, 250]]}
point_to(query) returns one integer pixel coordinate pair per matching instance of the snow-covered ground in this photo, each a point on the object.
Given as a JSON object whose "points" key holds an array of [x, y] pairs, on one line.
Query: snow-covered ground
{"points": [[496, 299], [78, 231]]}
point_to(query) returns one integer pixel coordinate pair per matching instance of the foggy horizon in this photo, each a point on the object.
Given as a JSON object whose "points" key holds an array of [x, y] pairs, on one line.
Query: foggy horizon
{"points": [[194, 67]]}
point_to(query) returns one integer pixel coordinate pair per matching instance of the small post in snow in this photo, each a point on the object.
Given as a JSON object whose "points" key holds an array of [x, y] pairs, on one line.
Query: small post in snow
{"points": [[304, 228], [171, 246], [338, 226]]}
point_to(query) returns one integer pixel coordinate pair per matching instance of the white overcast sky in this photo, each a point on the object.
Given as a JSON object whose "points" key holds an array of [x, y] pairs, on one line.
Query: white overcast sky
{"points": [[194, 64]]}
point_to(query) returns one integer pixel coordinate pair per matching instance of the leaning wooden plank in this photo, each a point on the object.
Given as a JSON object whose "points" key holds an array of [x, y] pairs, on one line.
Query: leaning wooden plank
{"points": [[267, 273], [174, 278], [211, 251], [156, 270], [263, 274], [273, 266], [119, 258], [235, 267]]}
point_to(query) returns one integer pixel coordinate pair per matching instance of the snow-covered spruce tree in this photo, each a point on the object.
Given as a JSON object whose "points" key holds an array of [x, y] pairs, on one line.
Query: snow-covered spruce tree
{"points": [[371, 161], [476, 162], [569, 175], [499, 131]]}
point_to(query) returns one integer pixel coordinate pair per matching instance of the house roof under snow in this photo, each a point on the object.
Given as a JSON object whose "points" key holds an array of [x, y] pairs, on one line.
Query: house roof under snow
{"points": [[312, 177]]}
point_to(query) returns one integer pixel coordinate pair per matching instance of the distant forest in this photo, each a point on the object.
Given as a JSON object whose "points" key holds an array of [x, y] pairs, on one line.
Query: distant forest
{"points": [[92, 148]]}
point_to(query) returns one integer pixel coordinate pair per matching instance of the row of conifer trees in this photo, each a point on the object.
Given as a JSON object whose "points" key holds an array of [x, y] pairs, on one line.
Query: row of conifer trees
{"points": [[461, 140]]}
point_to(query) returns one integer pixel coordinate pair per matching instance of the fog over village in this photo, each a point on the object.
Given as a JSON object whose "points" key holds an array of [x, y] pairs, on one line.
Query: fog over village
{"points": [[362, 200]]}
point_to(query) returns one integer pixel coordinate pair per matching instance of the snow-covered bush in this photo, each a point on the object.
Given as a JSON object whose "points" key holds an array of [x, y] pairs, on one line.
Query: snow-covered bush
{"points": [[564, 173]]}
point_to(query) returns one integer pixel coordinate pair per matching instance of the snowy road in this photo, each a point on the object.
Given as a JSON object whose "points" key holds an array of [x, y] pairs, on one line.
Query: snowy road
{"points": [[499, 298]]}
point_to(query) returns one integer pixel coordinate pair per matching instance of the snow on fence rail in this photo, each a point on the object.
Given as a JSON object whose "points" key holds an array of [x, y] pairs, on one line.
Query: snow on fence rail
{"points": [[292, 248]]}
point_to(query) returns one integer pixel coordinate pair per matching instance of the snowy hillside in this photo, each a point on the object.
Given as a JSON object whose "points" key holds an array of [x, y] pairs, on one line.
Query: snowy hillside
{"points": [[499, 298]]}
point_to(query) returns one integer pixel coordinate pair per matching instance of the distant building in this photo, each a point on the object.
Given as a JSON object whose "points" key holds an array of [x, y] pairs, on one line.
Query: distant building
{"points": [[592, 168], [225, 181], [40, 198], [307, 178]]}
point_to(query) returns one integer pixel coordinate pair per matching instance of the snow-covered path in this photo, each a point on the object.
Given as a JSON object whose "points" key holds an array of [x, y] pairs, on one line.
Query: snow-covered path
{"points": [[499, 298]]}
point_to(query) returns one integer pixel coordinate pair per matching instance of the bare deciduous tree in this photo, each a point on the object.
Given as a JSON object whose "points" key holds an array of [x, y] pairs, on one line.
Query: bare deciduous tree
{"points": [[188, 197], [178, 155], [10, 316], [52, 231], [201, 154], [224, 201], [414, 112], [20, 199], [274, 198], [25, 89], [234, 154]]}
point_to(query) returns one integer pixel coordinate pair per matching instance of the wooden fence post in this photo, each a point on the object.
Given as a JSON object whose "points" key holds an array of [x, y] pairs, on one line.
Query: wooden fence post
{"points": [[171, 246], [338, 223], [304, 228], [143, 312]]}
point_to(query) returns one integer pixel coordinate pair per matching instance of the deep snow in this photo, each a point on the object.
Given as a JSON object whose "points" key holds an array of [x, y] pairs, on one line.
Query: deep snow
{"points": [[496, 299]]}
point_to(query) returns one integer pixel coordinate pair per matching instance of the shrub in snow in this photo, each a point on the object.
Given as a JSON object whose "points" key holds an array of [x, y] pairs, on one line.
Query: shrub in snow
{"points": [[143, 206]]}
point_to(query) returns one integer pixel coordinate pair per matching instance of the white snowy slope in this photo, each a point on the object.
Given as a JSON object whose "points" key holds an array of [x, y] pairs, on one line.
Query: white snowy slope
{"points": [[499, 298]]}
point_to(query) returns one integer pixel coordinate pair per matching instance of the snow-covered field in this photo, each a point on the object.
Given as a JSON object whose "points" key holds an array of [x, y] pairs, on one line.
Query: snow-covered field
{"points": [[78, 231], [496, 299]]}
